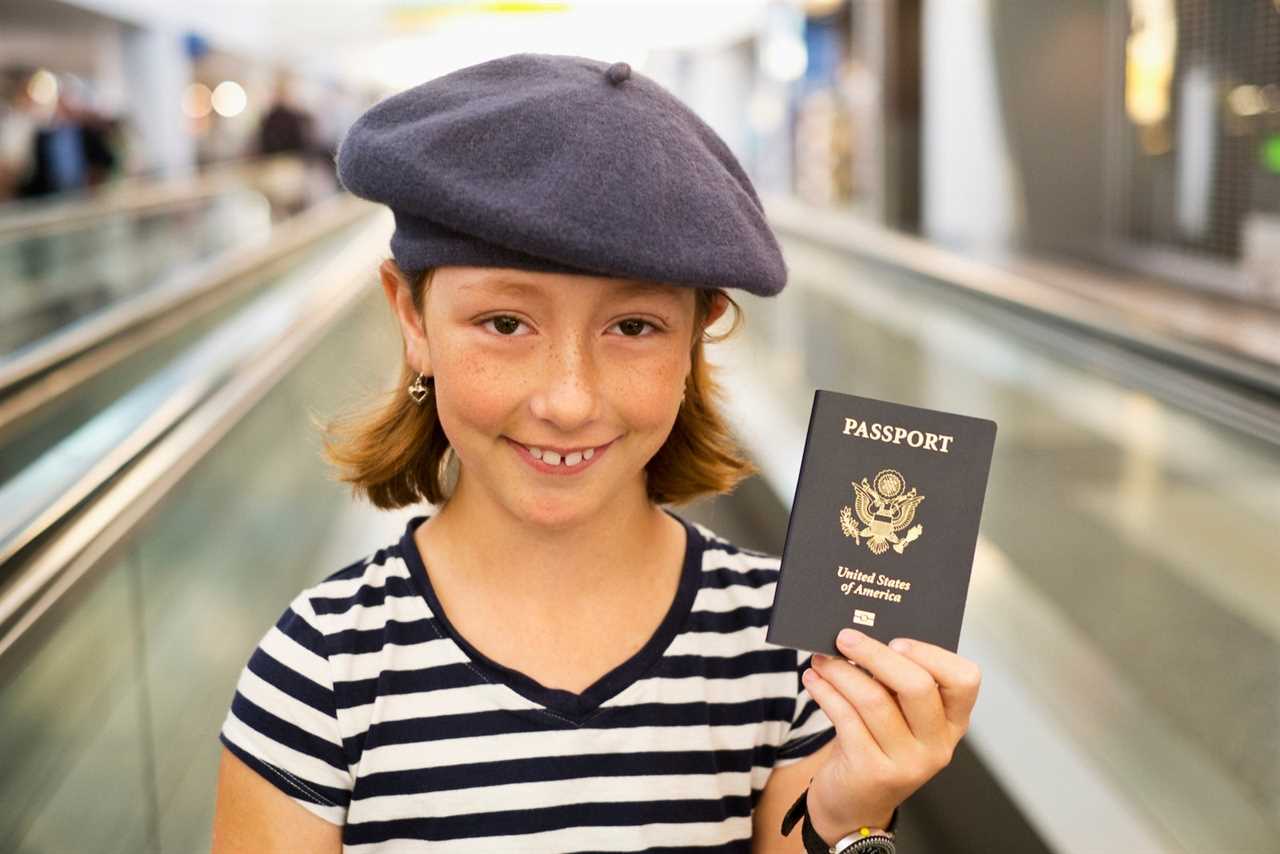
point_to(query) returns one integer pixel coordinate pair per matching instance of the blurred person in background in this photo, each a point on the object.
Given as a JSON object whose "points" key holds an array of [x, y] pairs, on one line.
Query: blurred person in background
{"points": [[289, 131], [20, 118], [60, 164], [100, 133], [285, 128], [62, 146]]}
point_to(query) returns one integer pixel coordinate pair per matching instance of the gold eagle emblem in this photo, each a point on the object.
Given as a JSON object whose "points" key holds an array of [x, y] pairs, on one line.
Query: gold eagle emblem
{"points": [[884, 510]]}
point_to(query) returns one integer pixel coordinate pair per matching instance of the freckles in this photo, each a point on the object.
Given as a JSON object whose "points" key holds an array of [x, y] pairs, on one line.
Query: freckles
{"points": [[474, 387], [649, 386], [646, 395], [479, 396]]}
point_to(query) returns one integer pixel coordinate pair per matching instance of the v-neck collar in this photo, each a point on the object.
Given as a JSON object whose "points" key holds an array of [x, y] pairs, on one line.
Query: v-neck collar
{"points": [[575, 707]]}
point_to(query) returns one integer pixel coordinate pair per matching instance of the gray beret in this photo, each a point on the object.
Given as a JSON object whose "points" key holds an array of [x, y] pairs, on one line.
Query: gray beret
{"points": [[560, 164]]}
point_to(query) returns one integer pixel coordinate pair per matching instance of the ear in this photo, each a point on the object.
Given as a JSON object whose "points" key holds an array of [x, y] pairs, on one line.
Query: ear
{"points": [[417, 354], [718, 306]]}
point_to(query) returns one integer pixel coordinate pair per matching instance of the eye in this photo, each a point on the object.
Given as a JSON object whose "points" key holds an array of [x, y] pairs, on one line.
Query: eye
{"points": [[631, 323], [506, 325], [503, 324]]}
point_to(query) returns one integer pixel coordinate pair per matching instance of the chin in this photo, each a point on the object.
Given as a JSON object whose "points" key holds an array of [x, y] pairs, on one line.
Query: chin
{"points": [[559, 512]]}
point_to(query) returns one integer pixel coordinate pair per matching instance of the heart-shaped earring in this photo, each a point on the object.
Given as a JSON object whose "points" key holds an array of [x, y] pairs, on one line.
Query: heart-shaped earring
{"points": [[418, 391]]}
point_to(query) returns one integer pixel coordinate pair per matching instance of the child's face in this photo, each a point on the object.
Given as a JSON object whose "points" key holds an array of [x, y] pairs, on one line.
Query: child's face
{"points": [[554, 361]]}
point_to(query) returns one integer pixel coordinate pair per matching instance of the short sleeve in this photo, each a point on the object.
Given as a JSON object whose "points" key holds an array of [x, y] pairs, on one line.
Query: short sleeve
{"points": [[810, 727], [283, 721]]}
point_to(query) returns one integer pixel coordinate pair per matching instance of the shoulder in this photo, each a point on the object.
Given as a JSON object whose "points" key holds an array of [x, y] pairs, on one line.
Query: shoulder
{"points": [[736, 578], [361, 597], [738, 564]]}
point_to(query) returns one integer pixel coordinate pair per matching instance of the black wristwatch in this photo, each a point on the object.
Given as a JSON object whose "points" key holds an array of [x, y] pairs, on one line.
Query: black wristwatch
{"points": [[868, 841]]}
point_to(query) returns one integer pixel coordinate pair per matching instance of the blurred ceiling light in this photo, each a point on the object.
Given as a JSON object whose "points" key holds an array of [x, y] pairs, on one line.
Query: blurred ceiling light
{"points": [[1149, 59], [43, 87], [197, 101], [427, 15], [229, 99], [518, 8], [463, 34], [1247, 101], [782, 54], [784, 58]]}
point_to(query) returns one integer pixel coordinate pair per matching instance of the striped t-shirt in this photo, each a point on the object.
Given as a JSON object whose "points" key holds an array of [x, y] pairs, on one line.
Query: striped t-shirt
{"points": [[366, 706]]}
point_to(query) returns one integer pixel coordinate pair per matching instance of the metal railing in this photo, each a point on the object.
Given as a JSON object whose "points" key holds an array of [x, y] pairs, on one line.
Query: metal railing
{"points": [[135, 195], [33, 377], [1124, 455], [853, 235], [64, 513]]}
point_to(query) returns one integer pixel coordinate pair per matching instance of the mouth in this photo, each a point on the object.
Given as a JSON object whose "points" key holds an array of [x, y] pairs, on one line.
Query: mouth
{"points": [[552, 462]]}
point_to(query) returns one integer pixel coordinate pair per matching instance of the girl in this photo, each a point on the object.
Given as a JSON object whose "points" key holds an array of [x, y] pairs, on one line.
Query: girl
{"points": [[553, 660]]}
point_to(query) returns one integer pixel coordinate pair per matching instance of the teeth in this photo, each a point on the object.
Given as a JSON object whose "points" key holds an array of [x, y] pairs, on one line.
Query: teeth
{"points": [[554, 458]]}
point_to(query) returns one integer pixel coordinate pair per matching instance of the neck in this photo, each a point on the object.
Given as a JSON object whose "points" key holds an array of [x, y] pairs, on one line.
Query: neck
{"points": [[576, 562]]}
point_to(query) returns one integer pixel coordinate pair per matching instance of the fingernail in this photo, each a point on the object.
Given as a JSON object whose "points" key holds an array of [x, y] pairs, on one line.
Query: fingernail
{"points": [[899, 644], [848, 637]]}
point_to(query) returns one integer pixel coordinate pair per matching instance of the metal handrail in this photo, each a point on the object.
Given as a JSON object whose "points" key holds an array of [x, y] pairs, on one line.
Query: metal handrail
{"points": [[194, 402], [140, 194], [36, 375], [851, 234], [1027, 738]]}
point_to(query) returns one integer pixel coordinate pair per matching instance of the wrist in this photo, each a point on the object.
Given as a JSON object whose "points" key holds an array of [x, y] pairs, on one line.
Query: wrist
{"points": [[832, 829]]}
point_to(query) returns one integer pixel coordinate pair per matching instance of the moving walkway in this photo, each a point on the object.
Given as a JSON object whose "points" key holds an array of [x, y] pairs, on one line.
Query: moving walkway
{"points": [[1121, 604]]}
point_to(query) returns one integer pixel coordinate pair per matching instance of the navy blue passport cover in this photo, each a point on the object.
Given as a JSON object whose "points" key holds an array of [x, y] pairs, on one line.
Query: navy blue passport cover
{"points": [[884, 523]]}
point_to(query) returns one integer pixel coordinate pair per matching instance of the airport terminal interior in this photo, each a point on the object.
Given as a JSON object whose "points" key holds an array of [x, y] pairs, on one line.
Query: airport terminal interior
{"points": [[1060, 215]]}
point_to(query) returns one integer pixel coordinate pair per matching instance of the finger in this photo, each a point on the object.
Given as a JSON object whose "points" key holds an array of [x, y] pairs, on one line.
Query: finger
{"points": [[914, 685], [855, 738], [958, 678], [873, 703]]}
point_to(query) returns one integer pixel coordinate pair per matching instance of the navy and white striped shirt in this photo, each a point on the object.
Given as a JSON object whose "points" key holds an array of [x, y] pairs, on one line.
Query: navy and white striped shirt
{"points": [[365, 705]]}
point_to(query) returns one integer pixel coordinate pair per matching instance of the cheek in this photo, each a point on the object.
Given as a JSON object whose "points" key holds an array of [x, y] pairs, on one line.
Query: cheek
{"points": [[474, 390], [646, 389]]}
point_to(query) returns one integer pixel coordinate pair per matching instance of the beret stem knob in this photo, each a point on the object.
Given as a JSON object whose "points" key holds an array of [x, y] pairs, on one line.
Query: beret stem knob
{"points": [[617, 72]]}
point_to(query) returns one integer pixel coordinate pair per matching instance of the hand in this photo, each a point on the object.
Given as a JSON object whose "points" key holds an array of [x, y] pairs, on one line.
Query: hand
{"points": [[894, 732]]}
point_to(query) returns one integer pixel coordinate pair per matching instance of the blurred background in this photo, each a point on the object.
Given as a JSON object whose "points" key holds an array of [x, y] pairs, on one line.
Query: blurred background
{"points": [[1063, 215]]}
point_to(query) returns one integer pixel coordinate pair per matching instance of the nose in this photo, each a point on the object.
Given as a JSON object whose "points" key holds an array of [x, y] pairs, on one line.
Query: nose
{"points": [[567, 395]]}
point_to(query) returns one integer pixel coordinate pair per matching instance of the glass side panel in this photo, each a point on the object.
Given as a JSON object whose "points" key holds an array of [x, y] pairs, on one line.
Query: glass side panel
{"points": [[51, 280], [114, 722], [1149, 530], [74, 734], [239, 539], [41, 430]]}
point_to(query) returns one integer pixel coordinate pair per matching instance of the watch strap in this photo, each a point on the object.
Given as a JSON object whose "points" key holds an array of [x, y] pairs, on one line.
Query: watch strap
{"points": [[874, 843]]}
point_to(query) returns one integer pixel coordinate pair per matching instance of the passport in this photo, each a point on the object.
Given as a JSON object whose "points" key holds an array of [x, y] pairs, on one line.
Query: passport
{"points": [[884, 524]]}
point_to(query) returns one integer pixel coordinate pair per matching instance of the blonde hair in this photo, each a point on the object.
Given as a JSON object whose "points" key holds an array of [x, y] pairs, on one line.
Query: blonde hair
{"points": [[395, 453]]}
